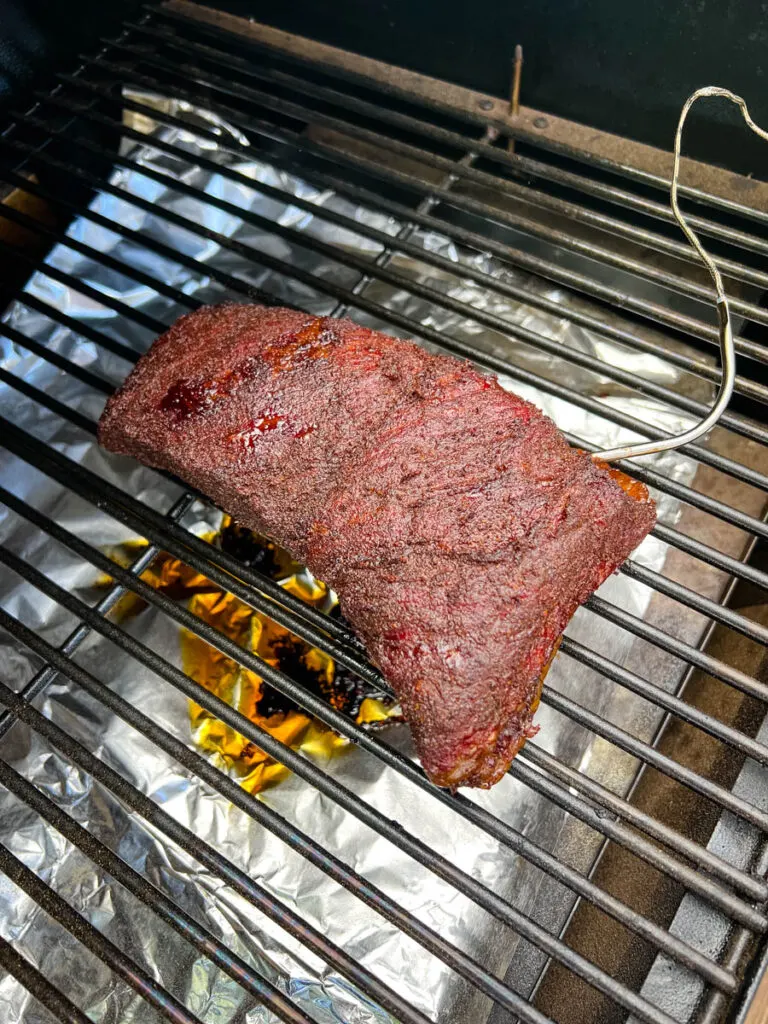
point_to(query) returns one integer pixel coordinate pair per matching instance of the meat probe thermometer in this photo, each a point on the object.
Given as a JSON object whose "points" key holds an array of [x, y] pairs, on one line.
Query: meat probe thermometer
{"points": [[727, 355]]}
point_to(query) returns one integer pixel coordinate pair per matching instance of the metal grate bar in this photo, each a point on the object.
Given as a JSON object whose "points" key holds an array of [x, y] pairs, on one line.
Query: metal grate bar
{"points": [[668, 534], [374, 200], [295, 838], [79, 327], [738, 946], [747, 627], [104, 298], [91, 379], [517, 131], [598, 809], [464, 883], [142, 319], [398, 280], [448, 166], [141, 517], [706, 553], [110, 954], [672, 645], [242, 93], [51, 403], [36, 225], [468, 810], [402, 281], [20, 340], [201, 938], [608, 668], [534, 264], [652, 578], [531, 169], [292, 690], [272, 119], [352, 660], [686, 712], [649, 755], [262, 900], [687, 494], [41, 679], [39, 986]]}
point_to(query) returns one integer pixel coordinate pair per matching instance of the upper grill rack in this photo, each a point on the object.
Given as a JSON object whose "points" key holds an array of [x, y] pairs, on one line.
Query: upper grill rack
{"points": [[327, 134]]}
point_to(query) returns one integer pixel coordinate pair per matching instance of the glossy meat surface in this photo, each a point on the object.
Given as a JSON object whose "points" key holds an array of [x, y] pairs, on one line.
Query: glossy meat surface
{"points": [[458, 527]]}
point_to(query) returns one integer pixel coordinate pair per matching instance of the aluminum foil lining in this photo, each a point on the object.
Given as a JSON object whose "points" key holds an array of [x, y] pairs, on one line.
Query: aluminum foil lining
{"points": [[399, 961]]}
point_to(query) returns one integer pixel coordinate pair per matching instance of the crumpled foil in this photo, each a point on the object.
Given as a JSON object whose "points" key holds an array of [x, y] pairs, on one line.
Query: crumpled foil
{"points": [[399, 961]]}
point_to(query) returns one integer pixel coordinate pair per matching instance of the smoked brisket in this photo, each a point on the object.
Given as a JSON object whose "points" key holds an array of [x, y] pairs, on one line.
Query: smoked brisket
{"points": [[458, 527]]}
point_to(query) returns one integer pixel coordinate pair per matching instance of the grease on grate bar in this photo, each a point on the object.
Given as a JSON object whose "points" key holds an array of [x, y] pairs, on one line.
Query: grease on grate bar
{"points": [[242, 689]]}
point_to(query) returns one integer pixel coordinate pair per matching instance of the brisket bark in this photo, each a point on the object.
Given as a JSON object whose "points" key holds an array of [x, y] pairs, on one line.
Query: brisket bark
{"points": [[458, 527]]}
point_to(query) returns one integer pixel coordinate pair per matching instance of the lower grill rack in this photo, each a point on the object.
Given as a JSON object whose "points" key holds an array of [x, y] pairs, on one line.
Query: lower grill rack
{"points": [[191, 813]]}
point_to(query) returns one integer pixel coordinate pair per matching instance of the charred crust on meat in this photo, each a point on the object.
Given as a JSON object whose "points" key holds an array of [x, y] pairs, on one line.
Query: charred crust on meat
{"points": [[457, 525]]}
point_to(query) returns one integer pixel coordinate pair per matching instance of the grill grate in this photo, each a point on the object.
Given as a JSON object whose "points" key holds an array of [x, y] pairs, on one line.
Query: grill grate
{"points": [[439, 171]]}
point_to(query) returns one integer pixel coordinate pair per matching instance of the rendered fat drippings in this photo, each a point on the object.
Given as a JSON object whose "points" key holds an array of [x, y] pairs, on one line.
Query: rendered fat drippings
{"points": [[241, 688]]}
